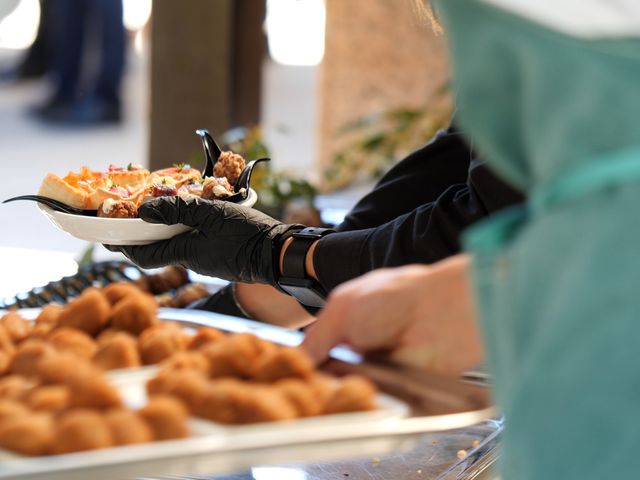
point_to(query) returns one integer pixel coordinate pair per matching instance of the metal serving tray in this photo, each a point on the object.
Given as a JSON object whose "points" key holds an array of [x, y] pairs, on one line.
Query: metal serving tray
{"points": [[412, 403]]}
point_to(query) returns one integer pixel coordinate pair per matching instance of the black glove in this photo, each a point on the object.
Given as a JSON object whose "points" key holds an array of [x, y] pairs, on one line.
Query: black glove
{"points": [[228, 241]]}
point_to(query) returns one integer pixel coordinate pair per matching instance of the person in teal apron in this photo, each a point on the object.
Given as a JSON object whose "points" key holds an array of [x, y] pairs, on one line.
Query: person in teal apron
{"points": [[549, 91]]}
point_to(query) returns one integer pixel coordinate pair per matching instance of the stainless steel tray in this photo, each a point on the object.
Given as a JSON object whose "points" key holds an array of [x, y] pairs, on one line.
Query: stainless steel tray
{"points": [[436, 404]]}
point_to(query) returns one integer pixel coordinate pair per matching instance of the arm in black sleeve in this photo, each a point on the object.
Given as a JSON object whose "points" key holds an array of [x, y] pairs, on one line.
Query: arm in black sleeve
{"points": [[426, 234], [418, 179]]}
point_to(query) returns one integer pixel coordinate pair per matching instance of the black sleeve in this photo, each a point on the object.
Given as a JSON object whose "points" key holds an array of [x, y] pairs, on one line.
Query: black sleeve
{"points": [[418, 179], [425, 234]]}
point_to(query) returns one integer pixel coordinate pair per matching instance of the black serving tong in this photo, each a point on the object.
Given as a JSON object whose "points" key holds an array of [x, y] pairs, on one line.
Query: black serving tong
{"points": [[55, 205], [212, 153]]}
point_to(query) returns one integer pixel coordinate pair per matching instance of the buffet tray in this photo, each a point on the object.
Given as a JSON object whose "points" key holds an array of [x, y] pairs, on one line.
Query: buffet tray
{"points": [[411, 402]]}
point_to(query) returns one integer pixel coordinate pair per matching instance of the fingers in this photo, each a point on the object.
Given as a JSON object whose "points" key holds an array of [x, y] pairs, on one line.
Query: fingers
{"points": [[159, 254], [323, 335], [171, 210]]}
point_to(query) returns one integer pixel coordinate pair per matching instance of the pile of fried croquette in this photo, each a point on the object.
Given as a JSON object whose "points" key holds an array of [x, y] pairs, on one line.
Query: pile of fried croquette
{"points": [[240, 378], [54, 397]]}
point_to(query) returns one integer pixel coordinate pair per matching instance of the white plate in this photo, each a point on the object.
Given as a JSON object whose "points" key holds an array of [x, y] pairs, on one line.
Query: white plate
{"points": [[120, 231]]}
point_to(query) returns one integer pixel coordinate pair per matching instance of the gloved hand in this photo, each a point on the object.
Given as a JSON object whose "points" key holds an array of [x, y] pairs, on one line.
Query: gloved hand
{"points": [[229, 241]]}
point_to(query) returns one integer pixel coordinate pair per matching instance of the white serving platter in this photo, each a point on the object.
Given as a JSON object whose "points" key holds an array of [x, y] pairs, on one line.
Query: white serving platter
{"points": [[120, 231], [215, 448]]}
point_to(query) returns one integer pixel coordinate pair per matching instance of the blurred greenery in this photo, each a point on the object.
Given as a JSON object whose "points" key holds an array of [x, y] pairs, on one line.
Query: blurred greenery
{"points": [[275, 188], [371, 144]]}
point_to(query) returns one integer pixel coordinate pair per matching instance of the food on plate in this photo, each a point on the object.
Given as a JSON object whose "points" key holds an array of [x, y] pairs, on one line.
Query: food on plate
{"points": [[354, 394], [11, 409], [187, 360], [229, 165], [81, 429], [28, 434], [301, 395], [5, 361], [16, 326], [73, 340], [166, 416], [111, 208], [234, 355], [189, 386], [159, 342], [26, 360], [119, 191], [91, 389], [135, 313], [117, 350], [127, 427], [14, 386], [49, 398], [204, 336], [6, 344], [283, 363], [216, 188], [89, 312], [49, 315], [118, 290]]}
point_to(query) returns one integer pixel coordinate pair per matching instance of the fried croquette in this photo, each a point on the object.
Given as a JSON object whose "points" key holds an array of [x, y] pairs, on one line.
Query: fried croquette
{"points": [[28, 434], [14, 387], [61, 366], [89, 312], [73, 340], [92, 390], [229, 165], [42, 330], [6, 344], [221, 400], [204, 336], [187, 360], [88, 387], [160, 342], [117, 209], [11, 409], [5, 361], [170, 278], [119, 290], [189, 386], [216, 188], [127, 427], [353, 394], [28, 355], [17, 327], [301, 395], [187, 294], [81, 429], [283, 363], [235, 355], [167, 417], [49, 398], [118, 350], [49, 315], [264, 404], [135, 313]]}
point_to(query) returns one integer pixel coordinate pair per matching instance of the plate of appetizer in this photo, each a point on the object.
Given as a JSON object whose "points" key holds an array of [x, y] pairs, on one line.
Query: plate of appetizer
{"points": [[102, 206]]}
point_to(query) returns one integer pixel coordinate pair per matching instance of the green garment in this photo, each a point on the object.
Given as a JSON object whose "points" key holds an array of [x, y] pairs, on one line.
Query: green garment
{"points": [[558, 280]]}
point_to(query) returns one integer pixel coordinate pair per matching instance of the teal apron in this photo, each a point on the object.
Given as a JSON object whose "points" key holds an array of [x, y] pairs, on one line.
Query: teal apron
{"points": [[557, 280]]}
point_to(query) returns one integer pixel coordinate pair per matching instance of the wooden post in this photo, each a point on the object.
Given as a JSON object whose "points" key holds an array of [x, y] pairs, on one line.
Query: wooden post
{"points": [[205, 72]]}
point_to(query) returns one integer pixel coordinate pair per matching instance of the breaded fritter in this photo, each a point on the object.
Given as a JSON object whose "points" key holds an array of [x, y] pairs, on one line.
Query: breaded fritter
{"points": [[229, 165], [89, 312], [235, 355], [81, 429], [118, 350], [28, 434], [14, 387], [49, 315], [135, 313], [186, 360], [301, 395], [120, 290], [353, 394], [49, 398], [28, 355], [264, 404], [285, 362], [189, 386], [17, 327], [204, 336], [127, 427], [160, 342], [11, 409], [6, 344], [72, 340], [166, 416]]}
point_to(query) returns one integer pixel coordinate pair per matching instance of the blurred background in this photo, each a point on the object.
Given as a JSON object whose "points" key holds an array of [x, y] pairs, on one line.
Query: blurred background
{"points": [[333, 91]]}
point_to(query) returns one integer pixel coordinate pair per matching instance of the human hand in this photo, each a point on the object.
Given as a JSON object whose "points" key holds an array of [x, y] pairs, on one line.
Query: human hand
{"points": [[229, 241], [422, 316]]}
